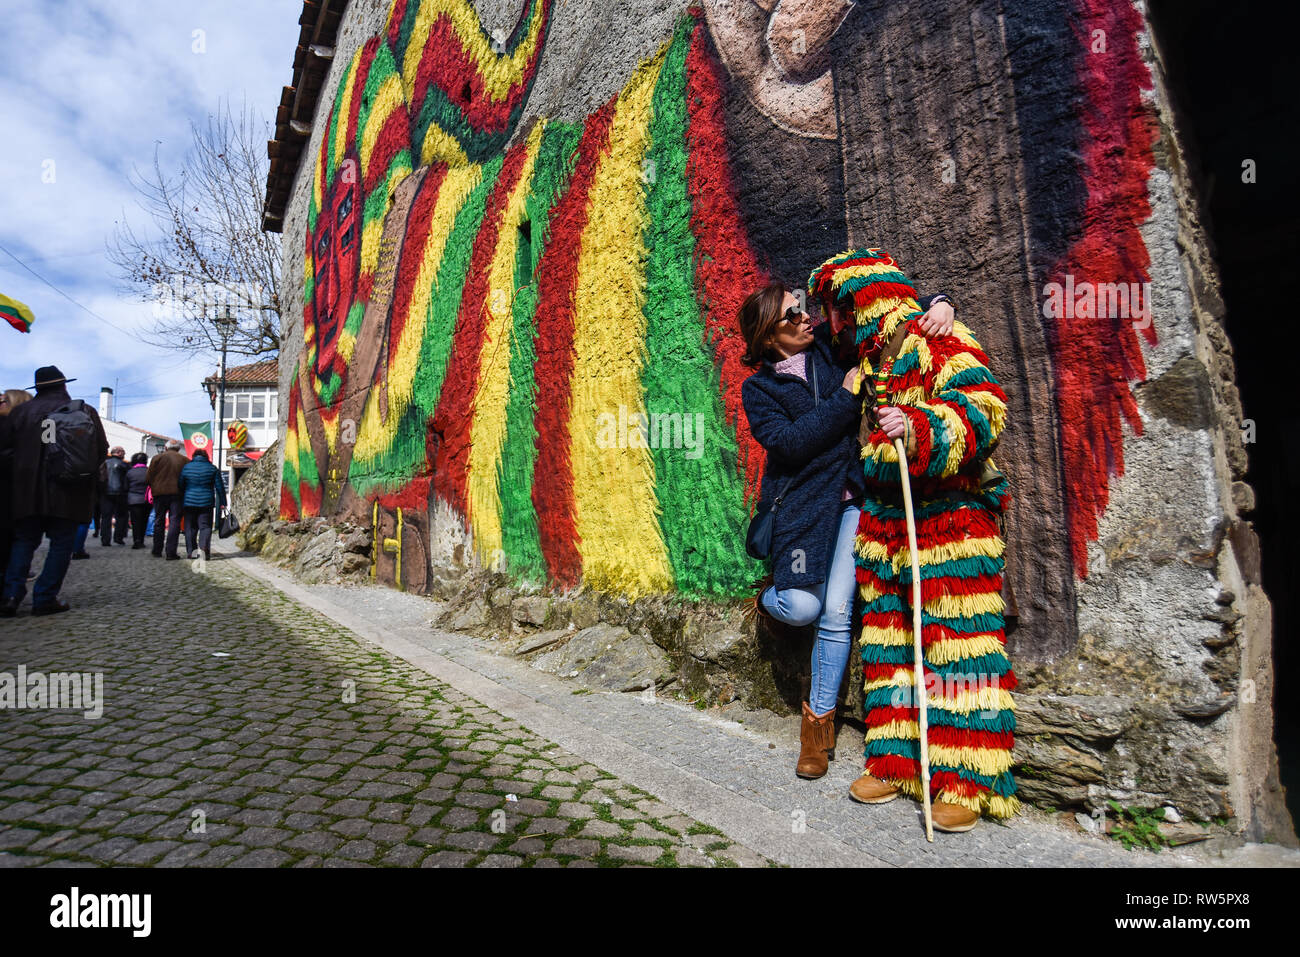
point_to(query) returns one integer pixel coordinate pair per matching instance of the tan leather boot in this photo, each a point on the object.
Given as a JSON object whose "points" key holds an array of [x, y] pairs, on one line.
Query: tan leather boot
{"points": [[816, 742], [754, 609], [953, 818], [869, 790]]}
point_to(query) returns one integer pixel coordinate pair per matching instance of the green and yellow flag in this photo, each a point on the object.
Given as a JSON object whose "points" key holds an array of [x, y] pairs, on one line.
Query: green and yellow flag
{"points": [[16, 313]]}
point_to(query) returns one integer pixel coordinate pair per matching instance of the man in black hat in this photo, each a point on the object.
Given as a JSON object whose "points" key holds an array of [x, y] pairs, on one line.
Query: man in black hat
{"points": [[56, 444]]}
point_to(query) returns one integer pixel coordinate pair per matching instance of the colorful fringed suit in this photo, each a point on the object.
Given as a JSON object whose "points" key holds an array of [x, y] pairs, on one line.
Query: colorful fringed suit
{"points": [[955, 411]]}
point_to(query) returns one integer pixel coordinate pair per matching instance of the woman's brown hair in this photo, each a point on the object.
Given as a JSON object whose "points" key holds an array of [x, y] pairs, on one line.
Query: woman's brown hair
{"points": [[758, 316], [16, 398]]}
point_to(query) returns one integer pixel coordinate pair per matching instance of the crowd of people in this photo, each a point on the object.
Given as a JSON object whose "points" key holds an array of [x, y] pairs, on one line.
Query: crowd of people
{"points": [[58, 477]]}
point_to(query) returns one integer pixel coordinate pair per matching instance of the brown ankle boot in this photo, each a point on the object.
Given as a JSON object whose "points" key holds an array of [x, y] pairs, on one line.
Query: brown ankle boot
{"points": [[816, 742], [869, 790], [754, 609], [953, 818]]}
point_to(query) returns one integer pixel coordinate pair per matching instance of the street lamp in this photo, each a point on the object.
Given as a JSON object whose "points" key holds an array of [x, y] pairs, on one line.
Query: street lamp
{"points": [[225, 324]]}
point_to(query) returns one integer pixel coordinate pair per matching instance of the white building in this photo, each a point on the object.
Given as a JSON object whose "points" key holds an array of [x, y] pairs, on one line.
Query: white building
{"points": [[130, 437], [252, 396]]}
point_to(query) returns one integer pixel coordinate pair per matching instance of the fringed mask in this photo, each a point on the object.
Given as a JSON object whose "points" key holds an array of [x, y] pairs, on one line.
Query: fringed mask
{"points": [[870, 283]]}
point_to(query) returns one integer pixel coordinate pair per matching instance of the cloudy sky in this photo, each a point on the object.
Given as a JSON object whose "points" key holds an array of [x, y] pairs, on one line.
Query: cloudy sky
{"points": [[86, 93]]}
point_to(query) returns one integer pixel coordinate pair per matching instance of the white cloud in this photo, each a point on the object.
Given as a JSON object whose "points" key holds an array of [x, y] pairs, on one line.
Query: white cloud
{"points": [[97, 86]]}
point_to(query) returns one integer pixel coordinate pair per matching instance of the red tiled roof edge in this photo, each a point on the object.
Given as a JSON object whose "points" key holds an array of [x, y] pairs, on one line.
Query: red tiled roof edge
{"points": [[319, 25]]}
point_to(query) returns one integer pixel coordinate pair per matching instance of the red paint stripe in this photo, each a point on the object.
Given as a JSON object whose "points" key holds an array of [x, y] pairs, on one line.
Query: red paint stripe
{"points": [[1097, 358], [455, 411], [288, 507], [414, 496], [412, 255], [557, 278], [358, 88], [394, 136], [310, 500], [395, 17], [447, 64], [726, 267]]}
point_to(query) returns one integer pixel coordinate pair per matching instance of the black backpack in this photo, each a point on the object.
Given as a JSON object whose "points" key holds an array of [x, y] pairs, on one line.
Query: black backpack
{"points": [[71, 443]]}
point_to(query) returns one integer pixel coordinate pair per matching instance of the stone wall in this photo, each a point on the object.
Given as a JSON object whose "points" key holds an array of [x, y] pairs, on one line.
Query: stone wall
{"points": [[559, 228]]}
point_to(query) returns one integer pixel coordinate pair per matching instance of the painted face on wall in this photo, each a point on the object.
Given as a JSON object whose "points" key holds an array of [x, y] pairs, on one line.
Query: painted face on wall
{"points": [[336, 242]]}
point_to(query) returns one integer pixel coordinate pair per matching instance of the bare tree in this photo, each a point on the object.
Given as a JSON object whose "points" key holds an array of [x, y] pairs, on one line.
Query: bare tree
{"points": [[207, 258]]}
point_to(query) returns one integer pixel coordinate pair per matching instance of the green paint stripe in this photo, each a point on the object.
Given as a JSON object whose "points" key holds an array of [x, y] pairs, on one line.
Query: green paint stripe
{"points": [[519, 532], [403, 460], [352, 325], [381, 68], [289, 477], [701, 496], [330, 388], [404, 32], [445, 306], [332, 127], [377, 201]]}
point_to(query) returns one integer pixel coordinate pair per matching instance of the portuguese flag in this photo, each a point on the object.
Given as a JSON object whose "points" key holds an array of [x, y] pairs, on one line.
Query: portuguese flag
{"points": [[16, 313], [198, 437]]}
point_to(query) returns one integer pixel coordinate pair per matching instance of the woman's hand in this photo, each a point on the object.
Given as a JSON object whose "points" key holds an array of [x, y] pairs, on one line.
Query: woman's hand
{"points": [[892, 421], [938, 321], [851, 380]]}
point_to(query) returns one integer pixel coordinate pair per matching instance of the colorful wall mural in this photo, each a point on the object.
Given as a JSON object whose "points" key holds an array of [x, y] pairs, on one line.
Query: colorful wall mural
{"points": [[532, 329]]}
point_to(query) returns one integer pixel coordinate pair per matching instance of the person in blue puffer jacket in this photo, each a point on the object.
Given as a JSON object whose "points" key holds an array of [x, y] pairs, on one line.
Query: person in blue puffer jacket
{"points": [[201, 488]]}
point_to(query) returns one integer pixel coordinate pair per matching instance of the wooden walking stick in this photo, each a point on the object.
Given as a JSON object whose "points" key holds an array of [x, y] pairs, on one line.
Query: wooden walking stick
{"points": [[918, 663]]}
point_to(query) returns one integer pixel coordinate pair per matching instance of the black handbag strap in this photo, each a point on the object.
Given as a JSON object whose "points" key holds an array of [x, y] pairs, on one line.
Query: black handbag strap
{"points": [[785, 486]]}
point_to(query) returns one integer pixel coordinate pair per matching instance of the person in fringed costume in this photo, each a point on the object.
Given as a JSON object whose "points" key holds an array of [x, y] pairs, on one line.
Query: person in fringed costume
{"points": [[941, 398]]}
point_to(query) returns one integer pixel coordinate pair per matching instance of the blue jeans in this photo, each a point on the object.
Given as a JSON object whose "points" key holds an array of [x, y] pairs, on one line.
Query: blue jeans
{"points": [[79, 545], [832, 600], [27, 536]]}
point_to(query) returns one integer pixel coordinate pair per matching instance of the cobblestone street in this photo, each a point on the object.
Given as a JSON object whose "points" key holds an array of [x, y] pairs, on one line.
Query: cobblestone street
{"points": [[240, 728]]}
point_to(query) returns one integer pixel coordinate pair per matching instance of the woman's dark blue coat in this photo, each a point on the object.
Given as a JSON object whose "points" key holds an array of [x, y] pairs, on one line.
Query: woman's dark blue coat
{"points": [[818, 447]]}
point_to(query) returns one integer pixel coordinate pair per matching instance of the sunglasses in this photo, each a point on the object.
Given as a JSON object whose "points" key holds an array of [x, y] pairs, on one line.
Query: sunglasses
{"points": [[795, 316]]}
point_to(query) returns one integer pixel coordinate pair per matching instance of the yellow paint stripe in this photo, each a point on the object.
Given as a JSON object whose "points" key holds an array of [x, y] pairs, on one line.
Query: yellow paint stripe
{"points": [[318, 181], [441, 147], [375, 435], [338, 142], [389, 98], [303, 439], [616, 508], [499, 73], [346, 344], [488, 428], [329, 420], [372, 230]]}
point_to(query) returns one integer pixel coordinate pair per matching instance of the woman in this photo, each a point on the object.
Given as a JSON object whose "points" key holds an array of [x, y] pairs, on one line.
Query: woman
{"points": [[137, 497], [939, 396], [10, 399], [812, 458], [200, 488]]}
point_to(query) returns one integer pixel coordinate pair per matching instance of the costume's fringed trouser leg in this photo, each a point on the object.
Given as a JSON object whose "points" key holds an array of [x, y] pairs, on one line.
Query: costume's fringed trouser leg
{"points": [[968, 675]]}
